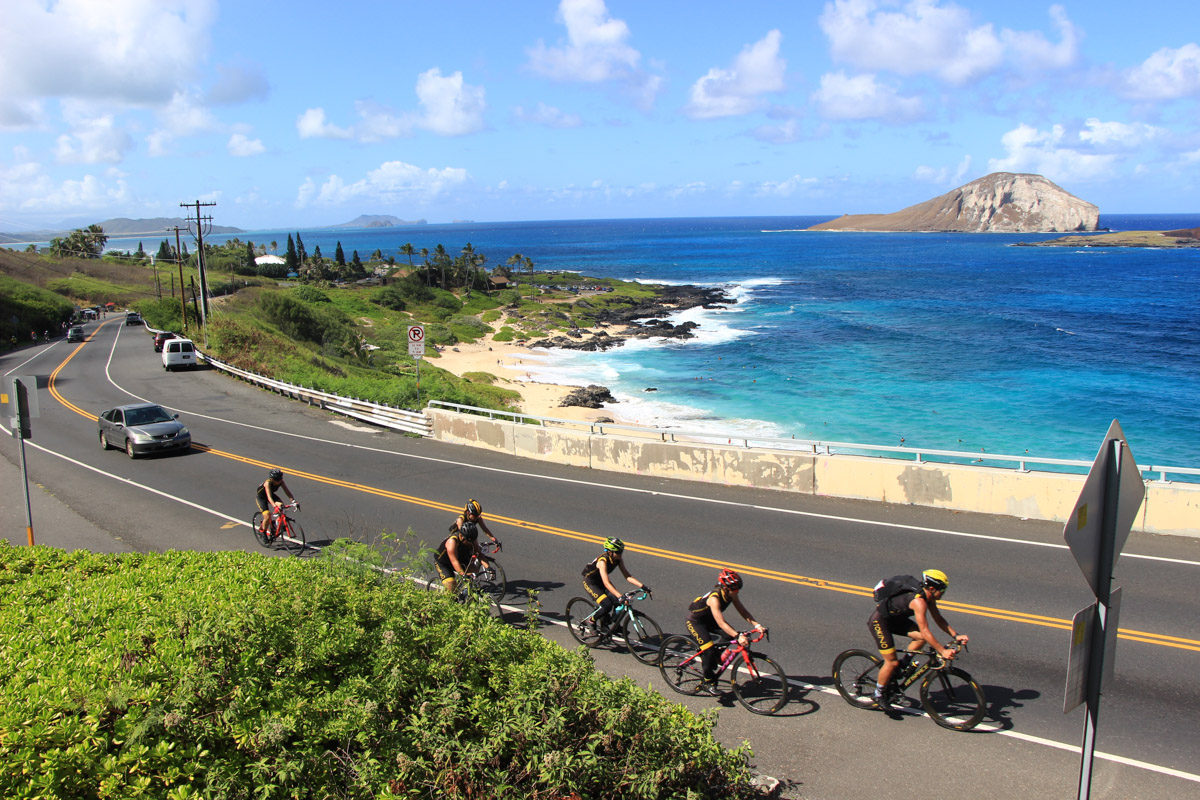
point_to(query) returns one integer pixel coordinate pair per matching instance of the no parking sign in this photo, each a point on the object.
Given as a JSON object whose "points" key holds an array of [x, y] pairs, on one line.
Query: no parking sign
{"points": [[416, 341]]}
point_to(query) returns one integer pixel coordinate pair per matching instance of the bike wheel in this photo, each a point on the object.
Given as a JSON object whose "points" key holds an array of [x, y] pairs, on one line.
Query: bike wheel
{"points": [[643, 637], [580, 621], [953, 699], [256, 523], [293, 537], [679, 663], [492, 581], [760, 686], [854, 674]]}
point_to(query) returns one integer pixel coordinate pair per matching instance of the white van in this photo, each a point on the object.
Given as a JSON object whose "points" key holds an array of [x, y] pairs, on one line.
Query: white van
{"points": [[178, 353]]}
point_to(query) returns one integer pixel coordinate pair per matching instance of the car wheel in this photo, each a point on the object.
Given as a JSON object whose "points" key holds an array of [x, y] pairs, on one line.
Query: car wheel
{"points": [[103, 441], [129, 448]]}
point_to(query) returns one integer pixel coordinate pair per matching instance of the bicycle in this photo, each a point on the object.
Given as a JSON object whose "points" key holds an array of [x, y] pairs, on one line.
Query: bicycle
{"points": [[758, 683], [949, 695], [642, 636], [281, 528], [486, 584]]}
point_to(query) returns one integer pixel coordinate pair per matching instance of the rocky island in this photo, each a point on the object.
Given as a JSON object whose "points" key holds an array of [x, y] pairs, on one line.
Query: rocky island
{"points": [[1189, 237], [1003, 202]]}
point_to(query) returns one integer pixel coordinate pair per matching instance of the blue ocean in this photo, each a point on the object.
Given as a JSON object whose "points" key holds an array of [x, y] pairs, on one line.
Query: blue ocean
{"points": [[963, 342]]}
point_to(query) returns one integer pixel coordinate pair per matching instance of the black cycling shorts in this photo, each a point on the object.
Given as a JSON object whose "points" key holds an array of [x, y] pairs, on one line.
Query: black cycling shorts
{"points": [[884, 628]]}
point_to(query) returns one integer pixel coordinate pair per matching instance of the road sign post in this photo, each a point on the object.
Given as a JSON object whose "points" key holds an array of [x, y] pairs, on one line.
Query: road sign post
{"points": [[416, 349], [1096, 532], [20, 402]]}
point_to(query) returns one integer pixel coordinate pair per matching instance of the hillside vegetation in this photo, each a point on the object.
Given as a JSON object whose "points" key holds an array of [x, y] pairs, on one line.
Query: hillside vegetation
{"points": [[233, 675]]}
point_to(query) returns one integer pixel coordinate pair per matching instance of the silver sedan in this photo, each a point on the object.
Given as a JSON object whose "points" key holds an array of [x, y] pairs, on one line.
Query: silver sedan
{"points": [[142, 428]]}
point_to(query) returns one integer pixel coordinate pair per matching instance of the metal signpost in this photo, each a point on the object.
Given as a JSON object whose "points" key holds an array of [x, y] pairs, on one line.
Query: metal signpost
{"points": [[416, 349], [1096, 532], [18, 398]]}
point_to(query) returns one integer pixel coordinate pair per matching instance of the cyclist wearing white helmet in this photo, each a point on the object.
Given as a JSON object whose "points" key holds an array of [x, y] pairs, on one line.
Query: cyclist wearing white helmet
{"points": [[905, 613], [268, 503], [598, 583]]}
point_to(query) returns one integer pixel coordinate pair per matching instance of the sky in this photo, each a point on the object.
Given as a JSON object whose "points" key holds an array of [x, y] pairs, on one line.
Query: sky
{"points": [[303, 114]]}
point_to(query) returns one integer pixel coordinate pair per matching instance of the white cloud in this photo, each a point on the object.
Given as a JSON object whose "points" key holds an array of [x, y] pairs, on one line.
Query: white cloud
{"points": [[757, 70], [25, 187], [93, 141], [926, 37], [862, 97], [785, 132], [1052, 153], [1168, 74], [596, 51], [452, 108], [785, 188], [183, 116], [135, 52], [312, 125], [237, 83], [1118, 135], [944, 176], [549, 116], [16, 115], [241, 145], [391, 182]]}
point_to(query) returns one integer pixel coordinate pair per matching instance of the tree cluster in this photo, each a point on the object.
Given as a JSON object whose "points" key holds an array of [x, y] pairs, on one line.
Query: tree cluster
{"points": [[80, 243]]}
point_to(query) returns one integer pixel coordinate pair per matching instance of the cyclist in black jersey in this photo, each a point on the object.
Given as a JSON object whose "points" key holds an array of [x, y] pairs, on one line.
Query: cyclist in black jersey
{"points": [[905, 614], [473, 513], [268, 503], [706, 615], [598, 584], [454, 553]]}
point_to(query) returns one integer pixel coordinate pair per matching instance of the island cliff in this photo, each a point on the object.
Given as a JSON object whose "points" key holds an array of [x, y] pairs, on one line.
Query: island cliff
{"points": [[1003, 202]]}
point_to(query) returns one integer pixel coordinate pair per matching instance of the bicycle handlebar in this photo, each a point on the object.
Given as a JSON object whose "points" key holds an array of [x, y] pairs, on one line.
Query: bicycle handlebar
{"points": [[636, 594], [489, 547]]}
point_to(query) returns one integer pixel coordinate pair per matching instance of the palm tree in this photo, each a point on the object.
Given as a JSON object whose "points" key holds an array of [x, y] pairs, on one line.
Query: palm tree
{"points": [[407, 249], [468, 257], [274, 246], [515, 260], [441, 258], [528, 265], [428, 269]]}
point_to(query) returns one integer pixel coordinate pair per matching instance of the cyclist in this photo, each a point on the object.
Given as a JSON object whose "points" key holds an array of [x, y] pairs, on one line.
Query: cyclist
{"points": [[455, 551], [473, 514], [598, 584], [706, 613], [268, 503], [905, 614]]}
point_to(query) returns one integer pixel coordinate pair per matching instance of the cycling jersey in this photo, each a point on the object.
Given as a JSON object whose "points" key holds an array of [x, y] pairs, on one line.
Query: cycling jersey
{"points": [[699, 611], [591, 571], [264, 502], [897, 605], [442, 558]]}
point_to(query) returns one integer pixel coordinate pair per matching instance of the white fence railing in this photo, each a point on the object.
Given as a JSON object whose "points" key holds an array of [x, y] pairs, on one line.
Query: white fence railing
{"points": [[919, 455]]}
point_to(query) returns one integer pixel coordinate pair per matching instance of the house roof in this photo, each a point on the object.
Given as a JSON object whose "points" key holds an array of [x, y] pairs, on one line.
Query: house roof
{"points": [[269, 260]]}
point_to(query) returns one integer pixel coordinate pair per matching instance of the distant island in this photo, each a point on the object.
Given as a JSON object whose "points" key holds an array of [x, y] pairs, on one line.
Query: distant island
{"points": [[378, 221], [1189, 237], [1003, 202]]}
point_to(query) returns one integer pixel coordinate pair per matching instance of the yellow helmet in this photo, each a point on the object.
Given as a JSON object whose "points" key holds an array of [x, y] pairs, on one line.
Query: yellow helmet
{"points": [[935, 579]]}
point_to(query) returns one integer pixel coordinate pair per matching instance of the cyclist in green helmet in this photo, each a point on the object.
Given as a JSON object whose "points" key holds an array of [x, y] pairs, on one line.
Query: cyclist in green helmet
{"points": [[905, 614], [597, 580]]}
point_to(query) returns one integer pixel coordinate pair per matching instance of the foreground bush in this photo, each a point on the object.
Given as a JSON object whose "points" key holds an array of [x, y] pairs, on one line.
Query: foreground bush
{"points": [[232, 675]]}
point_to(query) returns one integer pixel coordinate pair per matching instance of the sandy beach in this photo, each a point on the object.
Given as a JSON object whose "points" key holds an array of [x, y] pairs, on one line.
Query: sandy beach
{"points": [[503, 359]]}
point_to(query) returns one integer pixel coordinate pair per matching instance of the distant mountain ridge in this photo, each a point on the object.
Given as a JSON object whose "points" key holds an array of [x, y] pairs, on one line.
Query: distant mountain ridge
{"points": [[116, 227], [378, 221], [1003, 202]]}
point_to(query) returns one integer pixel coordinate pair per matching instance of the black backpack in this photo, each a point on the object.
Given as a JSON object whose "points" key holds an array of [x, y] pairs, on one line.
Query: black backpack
{"points": [[893, 587]]}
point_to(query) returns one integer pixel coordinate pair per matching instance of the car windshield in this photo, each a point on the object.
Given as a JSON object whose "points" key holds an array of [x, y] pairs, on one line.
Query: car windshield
{"points": [[146, 416]]}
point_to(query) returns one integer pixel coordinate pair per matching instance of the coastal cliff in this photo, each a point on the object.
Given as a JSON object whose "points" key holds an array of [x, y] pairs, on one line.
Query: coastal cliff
{"points": [[1003, 202]]}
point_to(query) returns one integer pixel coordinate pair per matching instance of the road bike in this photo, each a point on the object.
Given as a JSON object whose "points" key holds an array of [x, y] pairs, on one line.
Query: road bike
{"points": [[641, 635], [949, 694], [484, 585], [758, 683], [282, 530]]}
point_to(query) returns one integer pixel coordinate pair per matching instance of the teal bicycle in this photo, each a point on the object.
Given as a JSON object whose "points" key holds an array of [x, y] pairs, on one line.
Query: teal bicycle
{"points": [[641, 635]]}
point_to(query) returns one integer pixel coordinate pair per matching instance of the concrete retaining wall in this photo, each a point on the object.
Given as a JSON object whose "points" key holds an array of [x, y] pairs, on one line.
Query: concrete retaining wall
{"points": [[1168, 508]]}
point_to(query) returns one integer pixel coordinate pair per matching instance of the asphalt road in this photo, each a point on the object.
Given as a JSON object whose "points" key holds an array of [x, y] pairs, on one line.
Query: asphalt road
{"points": [[808, 563]]}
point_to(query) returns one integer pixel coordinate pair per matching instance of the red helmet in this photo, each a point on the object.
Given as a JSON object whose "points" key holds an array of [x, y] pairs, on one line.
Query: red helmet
{"points": [[729, 579]]}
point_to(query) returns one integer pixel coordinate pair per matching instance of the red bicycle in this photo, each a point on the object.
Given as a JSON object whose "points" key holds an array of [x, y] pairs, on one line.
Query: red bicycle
{"points": [[282, 530], [758, 682]]}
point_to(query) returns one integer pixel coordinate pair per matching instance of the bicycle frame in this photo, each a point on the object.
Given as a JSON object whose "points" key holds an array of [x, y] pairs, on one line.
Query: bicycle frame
{"points": [[734, 650], [623, 609]]}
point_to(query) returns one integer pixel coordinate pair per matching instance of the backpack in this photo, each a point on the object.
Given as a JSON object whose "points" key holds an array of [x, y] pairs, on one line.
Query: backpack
{"points": [[893, 587]]}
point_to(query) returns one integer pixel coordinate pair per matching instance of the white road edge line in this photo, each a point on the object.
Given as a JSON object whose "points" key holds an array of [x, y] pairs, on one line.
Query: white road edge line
{"points": [[694, 498]]}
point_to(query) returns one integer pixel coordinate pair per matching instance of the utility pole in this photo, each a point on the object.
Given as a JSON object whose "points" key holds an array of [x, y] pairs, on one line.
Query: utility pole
{"points": [[182, 291], [201, 223]]}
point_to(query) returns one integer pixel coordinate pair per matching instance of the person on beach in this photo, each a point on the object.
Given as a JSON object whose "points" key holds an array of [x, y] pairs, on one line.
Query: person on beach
{"points": [[597, 581], [706, 614]]}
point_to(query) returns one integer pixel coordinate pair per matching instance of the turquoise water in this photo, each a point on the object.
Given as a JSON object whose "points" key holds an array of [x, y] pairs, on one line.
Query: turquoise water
{"points": [[948, 341]]}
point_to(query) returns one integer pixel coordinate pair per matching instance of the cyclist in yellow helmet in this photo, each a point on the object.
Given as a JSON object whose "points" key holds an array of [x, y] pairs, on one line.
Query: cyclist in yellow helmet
{"points": [[597, 581], [473, 515], [905, 613]]}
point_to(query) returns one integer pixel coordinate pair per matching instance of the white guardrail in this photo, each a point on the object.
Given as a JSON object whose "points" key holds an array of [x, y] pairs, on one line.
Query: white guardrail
{"points": [[375, 413], [918, 455]]}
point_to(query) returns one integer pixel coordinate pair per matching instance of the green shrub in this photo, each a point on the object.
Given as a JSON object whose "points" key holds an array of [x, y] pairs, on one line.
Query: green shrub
{"points": [[233, 675], [505, 334], [309, 294]]}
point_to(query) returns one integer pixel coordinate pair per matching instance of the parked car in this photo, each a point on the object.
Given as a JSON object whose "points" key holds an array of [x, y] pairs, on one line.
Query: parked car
{"points": [[141, 429], [133, 318], [75, 334], [178, 353], [161, 337]]}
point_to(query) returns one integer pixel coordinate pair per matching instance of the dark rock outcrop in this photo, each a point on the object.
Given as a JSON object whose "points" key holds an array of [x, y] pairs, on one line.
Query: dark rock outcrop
{"points": [[1003, 202], [588, 397]]}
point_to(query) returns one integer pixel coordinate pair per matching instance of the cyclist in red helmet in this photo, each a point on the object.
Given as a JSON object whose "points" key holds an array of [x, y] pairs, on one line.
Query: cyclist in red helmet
{"points": [[706, 614], [473, 515]]}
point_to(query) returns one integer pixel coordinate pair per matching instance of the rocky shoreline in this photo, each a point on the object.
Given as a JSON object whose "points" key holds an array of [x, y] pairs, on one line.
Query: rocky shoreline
{"points": [[1165, 239]]}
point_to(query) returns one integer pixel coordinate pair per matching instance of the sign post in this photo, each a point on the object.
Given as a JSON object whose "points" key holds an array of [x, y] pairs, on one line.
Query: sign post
{"points": [[19, 401], [1096, 532], [416, 349]]}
